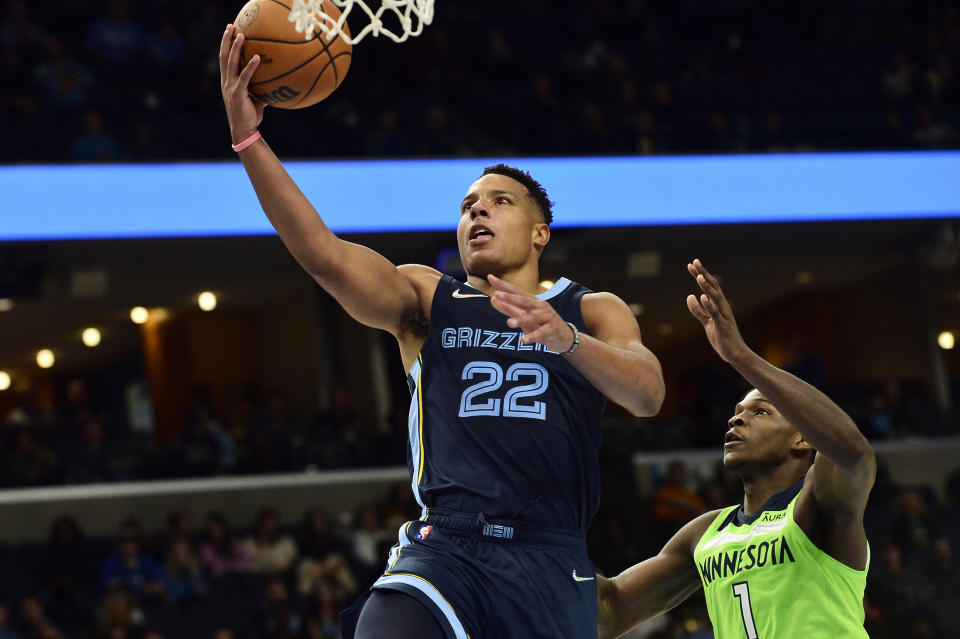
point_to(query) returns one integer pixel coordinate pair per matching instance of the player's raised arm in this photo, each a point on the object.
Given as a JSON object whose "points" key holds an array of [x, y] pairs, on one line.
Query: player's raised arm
{"points": [[611, 355], [651, 587], [367, 285], [845, 465]]}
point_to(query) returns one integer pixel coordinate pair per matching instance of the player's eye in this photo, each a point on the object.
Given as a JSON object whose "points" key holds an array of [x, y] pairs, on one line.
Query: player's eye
{"points": [[761, 411], [502, 200]]}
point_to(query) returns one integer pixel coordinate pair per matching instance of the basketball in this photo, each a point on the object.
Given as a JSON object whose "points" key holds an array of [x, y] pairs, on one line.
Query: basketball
{"points": [[294, 72]]}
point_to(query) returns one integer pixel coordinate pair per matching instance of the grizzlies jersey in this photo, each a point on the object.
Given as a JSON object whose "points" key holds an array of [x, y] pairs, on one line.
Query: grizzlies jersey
{"points": [[764, 579], [500, 428]]}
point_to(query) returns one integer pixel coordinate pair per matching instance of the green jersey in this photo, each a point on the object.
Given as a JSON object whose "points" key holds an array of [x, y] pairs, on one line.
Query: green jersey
{"points": [[764, 579]]}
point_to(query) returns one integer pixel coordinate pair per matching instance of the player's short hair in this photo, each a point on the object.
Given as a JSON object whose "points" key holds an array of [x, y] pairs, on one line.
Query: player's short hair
{"points": [[536, 190]]}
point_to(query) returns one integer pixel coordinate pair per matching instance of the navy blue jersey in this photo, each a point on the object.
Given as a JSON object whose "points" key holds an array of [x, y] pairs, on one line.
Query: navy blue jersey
{"points": [[498, 427]]}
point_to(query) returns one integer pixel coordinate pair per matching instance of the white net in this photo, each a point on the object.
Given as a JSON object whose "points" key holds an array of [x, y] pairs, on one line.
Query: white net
{"points": [[404, 18]]}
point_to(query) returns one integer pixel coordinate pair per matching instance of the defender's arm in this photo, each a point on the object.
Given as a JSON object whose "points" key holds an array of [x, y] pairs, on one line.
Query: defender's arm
{"points": [[653, 586]]}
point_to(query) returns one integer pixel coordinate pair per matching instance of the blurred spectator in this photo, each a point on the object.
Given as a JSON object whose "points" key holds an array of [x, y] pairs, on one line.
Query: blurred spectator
{"points": [[913, 525], [674, 503], [185, 580], [6, 631], [131, 569], [277, 616], [94, 143], [203, 446], [220, 552], [90, 461], [115, 38], [34, 621], [67, 572], [323, 614], [223, 633], [367, 537], [272, 551], [120, 617], [29, 463], [66, 83]]}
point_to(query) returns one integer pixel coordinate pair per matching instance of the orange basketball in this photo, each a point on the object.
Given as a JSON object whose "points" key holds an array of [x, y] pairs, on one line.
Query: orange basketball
{"points": [[294, 73]]}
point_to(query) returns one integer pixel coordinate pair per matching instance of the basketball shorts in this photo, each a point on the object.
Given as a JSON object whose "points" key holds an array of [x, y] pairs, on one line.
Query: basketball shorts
{"points": [[496, 579]]}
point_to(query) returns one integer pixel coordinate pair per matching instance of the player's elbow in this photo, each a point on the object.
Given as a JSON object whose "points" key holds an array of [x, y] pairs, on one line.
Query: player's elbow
{"points": [[649, 400]]}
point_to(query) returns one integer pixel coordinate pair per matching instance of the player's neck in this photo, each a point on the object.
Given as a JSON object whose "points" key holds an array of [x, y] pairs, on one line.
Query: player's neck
{"points": [[761, 486], [526, 278]]}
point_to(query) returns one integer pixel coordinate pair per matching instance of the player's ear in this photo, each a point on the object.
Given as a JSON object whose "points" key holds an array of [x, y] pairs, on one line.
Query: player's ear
{"points": [[800, 444], [541, 235]]}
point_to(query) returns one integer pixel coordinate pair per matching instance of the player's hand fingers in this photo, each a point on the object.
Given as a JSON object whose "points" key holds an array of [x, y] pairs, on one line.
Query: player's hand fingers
{"points": [[233, 60], [225, 50], [693, 305], [506, 287], [505, 307], [248, 72]]}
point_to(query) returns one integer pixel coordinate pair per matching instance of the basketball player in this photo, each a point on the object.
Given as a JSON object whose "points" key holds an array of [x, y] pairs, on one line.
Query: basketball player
{"points": [[791, 560], [508, 381]]}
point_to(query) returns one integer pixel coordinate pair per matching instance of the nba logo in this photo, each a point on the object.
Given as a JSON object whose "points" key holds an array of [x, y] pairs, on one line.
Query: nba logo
{"points": [[424, 532]]}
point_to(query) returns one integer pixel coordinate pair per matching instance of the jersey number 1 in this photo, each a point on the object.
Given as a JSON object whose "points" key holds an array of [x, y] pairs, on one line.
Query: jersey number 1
{"points": [[471, 406], [742, 592]]}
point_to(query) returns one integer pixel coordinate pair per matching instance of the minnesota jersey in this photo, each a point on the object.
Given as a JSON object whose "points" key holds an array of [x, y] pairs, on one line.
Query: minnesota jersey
{"points": [[498, 427], [764, 579]]}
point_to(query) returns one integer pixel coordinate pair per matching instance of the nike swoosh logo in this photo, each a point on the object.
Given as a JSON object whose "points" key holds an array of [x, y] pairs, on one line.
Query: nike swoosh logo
{"points": [[457, 294], [576, 578]]}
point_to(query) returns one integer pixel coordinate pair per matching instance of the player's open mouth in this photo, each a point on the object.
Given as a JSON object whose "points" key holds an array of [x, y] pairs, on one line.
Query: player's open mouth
{"points": [[731, 439], [480, 234]]}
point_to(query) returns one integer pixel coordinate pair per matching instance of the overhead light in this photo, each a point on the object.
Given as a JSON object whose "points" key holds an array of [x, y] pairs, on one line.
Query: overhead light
{"points": [[207, 301], [804, 277], [139, 314], [637, 309], [547, 284], [6, 304], [91, 337], [4, 380], [45, 358], [946, 340]]}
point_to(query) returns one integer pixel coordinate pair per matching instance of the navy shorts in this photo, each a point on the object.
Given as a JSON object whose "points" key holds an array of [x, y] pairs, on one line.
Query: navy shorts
{"points": [[494, 579]]}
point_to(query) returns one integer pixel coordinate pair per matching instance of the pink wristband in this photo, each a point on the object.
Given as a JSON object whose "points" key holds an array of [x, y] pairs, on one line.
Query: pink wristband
{"points": [[253, 138]]}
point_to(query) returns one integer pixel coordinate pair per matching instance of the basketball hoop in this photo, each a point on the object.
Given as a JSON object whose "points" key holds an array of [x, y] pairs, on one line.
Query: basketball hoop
{"points": [[410, 15]]}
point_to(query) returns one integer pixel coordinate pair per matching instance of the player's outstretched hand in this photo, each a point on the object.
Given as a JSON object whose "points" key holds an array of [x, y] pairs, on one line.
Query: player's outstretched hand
{"points": [[243, 113], [538, 320], [713, 311]]}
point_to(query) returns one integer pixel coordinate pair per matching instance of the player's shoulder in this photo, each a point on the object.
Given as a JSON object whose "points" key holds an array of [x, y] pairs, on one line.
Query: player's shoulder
{"points": [[423, 278], [601, 302], [693, 531], [606, 310]]}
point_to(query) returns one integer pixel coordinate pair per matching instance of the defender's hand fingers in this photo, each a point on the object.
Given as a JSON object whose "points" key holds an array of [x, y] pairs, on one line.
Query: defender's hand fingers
{"points": [[506, 287], [225, 49], [248, 71], [693, 305], [710, 306], [233, 61], [707, 274]]}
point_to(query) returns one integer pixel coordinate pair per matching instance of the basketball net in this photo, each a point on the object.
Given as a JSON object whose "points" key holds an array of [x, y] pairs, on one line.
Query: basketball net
{"points": [[411, 15]]}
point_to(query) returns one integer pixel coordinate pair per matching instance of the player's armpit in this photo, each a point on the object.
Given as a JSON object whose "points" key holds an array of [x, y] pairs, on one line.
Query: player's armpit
{"points": [[653, 586], [613, 357]]}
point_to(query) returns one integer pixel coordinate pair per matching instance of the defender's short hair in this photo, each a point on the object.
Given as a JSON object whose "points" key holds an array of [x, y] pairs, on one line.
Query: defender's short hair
{"points": [[536, 190]]}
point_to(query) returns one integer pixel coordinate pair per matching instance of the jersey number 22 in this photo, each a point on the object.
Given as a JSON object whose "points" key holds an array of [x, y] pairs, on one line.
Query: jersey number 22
{"points": [[472, 404]]}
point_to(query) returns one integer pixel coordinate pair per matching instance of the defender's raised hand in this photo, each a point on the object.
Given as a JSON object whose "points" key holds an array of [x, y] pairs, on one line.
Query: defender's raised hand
{"points": [[713, 311], [537, 319], [243, 112]]}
